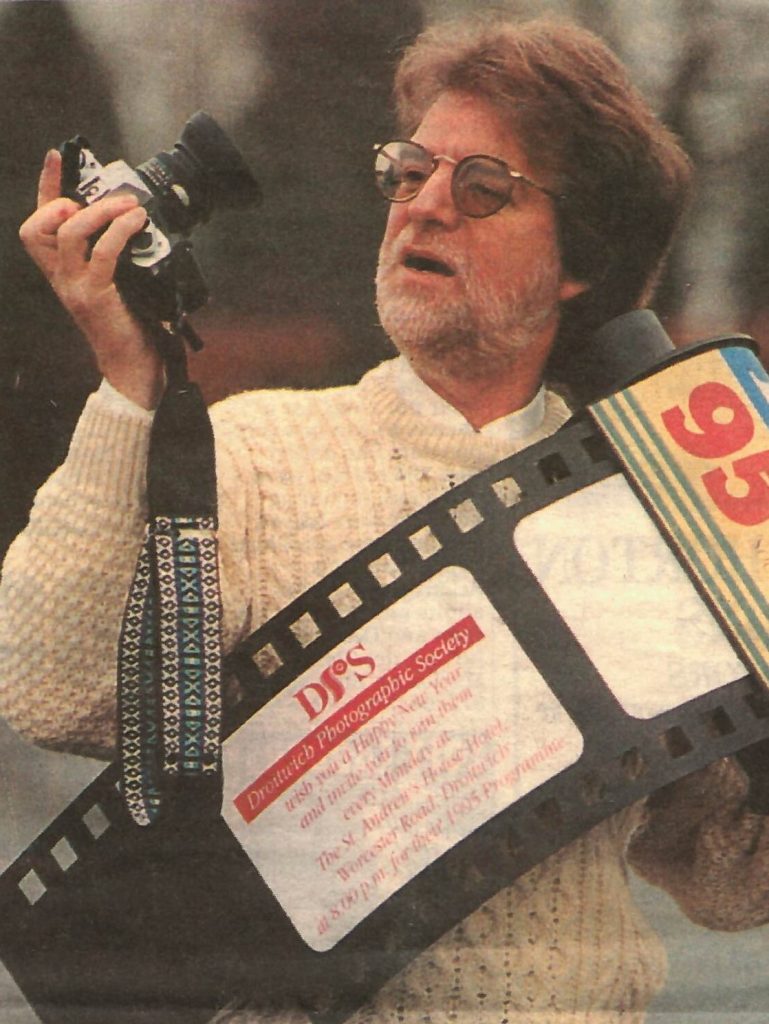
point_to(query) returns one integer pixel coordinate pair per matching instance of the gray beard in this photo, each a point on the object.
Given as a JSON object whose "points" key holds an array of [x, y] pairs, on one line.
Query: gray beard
{"points": [[476, 336]]}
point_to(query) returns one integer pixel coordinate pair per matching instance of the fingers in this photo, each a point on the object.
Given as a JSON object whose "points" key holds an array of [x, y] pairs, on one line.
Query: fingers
{"points": [[75, 233], [57, 236], [39, 233], [48, 219], [106, 251], [77, 248], [49, 186]]}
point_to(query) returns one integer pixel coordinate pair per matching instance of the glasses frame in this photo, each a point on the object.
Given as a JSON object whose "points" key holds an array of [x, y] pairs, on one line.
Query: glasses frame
{"points": [[436, 158]]}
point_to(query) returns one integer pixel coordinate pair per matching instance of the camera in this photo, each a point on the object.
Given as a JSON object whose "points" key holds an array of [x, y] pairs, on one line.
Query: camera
{"points": [[157, 274]]}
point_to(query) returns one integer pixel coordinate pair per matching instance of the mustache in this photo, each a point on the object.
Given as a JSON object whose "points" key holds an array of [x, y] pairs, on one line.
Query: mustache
{"points": [[393, 254]]}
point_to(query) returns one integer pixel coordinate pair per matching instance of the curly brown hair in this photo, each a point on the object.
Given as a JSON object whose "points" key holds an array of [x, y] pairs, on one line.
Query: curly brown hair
{"points": [[588, 132]]}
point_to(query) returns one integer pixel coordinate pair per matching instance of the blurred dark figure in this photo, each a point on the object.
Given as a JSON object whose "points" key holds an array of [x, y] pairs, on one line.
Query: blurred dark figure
{"points": [[310, 259], [51, 85]]}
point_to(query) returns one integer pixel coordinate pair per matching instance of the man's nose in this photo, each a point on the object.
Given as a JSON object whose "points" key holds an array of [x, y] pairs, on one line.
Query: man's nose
{"points": [[434, 202]]}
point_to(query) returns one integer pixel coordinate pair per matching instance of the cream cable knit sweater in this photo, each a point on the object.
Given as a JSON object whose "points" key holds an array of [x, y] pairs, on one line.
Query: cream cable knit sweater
{"points": [[307, 479]]}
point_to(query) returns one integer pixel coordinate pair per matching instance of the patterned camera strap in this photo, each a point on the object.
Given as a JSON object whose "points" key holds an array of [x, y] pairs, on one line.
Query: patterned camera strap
{"points": [[170, 658]]}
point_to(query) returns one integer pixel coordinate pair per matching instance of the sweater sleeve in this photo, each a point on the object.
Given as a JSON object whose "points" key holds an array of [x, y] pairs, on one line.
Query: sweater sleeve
{"points": [[65, 581], [66, 578], [703, 844]]}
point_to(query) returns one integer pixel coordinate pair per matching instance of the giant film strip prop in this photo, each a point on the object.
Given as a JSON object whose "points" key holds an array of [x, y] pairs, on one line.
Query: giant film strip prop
{"points": [[503, 670]]}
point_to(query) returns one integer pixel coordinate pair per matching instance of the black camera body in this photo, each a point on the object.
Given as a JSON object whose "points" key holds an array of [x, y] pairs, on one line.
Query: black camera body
{"points": [[157, 274]]}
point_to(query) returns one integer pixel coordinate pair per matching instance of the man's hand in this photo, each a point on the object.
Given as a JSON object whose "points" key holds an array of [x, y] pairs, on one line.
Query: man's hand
{"points": [[56, 236]]}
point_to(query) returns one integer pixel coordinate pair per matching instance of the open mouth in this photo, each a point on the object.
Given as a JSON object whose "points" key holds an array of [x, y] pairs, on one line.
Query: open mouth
{"points": [[426, 265]]}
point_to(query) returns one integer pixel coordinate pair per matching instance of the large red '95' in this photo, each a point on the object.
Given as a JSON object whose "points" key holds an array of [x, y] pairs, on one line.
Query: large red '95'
{"points": [[724, 427]]}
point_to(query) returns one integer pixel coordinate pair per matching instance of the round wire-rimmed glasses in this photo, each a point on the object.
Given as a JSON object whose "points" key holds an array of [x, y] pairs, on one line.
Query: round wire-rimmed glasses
{"points": [[480, 185]]}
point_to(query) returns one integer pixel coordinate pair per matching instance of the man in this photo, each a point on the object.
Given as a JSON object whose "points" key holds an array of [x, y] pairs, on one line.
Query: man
{"points": [[486, 266]]}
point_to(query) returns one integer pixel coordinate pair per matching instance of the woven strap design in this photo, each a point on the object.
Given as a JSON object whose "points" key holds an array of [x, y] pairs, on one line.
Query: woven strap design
{"points": [[170, 657], [170, 664]]}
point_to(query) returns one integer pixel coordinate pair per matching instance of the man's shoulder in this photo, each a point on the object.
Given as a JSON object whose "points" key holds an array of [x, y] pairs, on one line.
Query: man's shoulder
{"points": [[242, 410]]}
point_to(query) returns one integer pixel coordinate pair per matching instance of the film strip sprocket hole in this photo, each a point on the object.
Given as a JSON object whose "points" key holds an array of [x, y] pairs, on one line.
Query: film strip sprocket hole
{"points": [[594, 787], [412, 551], [614, 758], [72, 837]]}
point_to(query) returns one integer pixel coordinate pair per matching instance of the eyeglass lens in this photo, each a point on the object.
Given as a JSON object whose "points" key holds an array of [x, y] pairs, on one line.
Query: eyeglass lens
{"points": [[480, 185]]}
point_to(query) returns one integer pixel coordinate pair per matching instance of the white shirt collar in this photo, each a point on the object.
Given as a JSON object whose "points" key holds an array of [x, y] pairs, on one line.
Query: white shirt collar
{"points": [[421, 397]]}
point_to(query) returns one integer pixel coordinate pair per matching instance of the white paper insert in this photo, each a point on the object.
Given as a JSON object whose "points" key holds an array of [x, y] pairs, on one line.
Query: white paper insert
{"points": [[406, 738], [602, 562]]}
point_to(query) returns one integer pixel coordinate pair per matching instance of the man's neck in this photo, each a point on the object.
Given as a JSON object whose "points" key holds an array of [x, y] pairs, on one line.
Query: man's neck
{"points": [[489, 396], [483, 401]]}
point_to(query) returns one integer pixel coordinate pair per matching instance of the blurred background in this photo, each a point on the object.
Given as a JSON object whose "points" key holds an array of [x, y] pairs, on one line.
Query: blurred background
{"points": [[303, 86]]}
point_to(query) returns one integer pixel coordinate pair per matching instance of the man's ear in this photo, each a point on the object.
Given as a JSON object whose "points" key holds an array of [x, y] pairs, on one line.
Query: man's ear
{"points": [[570, 288]]}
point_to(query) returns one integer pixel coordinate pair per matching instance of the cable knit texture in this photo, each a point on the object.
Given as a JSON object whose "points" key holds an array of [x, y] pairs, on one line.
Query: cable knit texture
{"points": [[307, 479]]}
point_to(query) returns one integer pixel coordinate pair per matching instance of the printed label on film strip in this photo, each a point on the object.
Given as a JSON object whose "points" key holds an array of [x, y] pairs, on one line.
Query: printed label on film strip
{"points": [[500, 672], [402, 742]]}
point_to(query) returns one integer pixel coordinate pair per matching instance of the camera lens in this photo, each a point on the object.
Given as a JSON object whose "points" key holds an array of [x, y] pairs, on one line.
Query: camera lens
{"points": [[203, 170]]}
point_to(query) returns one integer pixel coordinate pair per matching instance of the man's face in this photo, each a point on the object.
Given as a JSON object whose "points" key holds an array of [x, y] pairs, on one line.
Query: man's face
{"points": [[462, 297]]}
